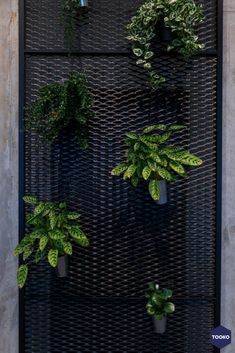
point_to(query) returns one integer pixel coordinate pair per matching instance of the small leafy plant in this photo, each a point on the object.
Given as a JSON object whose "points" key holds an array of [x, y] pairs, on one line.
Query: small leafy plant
{"points": [[158, 304], [55, 229], [150, 157], [60, 105], [70, 9], [179, 15]]}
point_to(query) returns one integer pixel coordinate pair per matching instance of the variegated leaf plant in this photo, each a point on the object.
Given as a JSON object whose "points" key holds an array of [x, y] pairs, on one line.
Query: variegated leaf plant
{"points": [[150, 157], [54, 231]]}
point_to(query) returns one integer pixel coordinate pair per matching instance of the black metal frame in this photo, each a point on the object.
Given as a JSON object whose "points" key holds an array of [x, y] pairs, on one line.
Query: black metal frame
{"points": [[218, 53]]}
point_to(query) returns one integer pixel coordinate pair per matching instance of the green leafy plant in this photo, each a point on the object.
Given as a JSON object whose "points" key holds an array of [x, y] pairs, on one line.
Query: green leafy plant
{"points": [[60, 105], [150, 157], [55, 230], [158, 304], [70, 9], [179, 15]]}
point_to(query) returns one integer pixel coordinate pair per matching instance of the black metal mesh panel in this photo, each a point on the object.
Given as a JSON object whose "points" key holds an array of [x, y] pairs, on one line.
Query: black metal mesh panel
{"points": [[99, 307], [101, 28]]}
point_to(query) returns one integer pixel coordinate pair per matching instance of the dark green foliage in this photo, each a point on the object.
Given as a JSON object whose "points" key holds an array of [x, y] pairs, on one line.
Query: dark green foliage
{"points": [[70, 9], [149, 157], [50, 237], [158, 303], [179, 15], [62, 105]]}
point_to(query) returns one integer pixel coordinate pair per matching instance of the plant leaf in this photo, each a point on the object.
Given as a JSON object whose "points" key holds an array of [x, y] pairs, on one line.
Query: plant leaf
{"points": [[56, 234], [68, 249], [73, 215], [169, 308], [18, 250], [130, 171], [79, 236], [119, 169], [28, 250], [177, 167], [32, 200], [53, 219], [132, 135], [135, 180], [53, 257], [151, 128], [22, 275], [164, 173], [43, 242], [154, 189], [146, 172]]}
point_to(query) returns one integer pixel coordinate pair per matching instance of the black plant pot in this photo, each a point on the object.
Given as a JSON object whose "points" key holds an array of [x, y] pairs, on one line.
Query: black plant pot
{"points": [[62, 267], [160, 325], [83, 3], [163, 193], [165, 33]]}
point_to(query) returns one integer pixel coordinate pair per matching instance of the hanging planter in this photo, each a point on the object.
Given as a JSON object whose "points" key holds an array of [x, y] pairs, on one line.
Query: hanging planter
{"points": [[159, 306], [179, 19], [55, 231], [61, 105], [152, 159], [70, 10], [165, 33], [62, 267], [163, 192], [160, 325]]}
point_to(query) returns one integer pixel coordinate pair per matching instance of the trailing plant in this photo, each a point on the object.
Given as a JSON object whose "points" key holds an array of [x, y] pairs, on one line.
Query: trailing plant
{"points": [[54, 231], [179, 15], [70, 10], [150, 157], [60, 105], [158, 304]]}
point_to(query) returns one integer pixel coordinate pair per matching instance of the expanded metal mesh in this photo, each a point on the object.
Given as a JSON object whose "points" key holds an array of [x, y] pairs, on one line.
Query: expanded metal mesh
{"points": [[100, 307]]}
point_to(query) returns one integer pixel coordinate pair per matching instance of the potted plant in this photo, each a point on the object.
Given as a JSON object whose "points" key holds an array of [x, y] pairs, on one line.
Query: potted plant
{"points": [[54, 230], [179, 17], [62, 105], [150, 157], [70, 9], [159, 306]]}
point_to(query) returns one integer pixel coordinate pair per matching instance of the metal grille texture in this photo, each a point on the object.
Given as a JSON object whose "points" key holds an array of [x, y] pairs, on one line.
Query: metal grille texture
{"points": [[100, 306]]}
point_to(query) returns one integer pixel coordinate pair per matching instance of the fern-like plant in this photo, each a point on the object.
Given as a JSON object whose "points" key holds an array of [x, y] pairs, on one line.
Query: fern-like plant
{"points": [[158, 304], [59, 105], [180, 16], [54, 230], [70, 10], [150, 157]]}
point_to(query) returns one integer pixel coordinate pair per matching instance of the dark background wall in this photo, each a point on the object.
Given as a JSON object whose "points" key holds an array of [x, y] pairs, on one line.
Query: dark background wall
{"points": [[100, 306]]}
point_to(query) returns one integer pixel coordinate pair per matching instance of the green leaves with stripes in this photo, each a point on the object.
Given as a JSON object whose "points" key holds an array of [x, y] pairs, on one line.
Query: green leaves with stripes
{"points": [[150, 157], [55, 230], [53, 257], [22, 275], [154, 189]]}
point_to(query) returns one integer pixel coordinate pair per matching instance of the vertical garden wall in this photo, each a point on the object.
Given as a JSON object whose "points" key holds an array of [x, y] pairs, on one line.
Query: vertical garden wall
{"points": [[100, 306]]}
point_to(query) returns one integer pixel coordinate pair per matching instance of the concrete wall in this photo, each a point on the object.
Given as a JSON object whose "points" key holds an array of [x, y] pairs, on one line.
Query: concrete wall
{"points": [[8, 174], [228, 227]]}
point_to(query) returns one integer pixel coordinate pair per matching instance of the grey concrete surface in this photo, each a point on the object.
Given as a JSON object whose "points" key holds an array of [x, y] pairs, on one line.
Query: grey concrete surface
{"points": [[228, 211], [8, 174]]}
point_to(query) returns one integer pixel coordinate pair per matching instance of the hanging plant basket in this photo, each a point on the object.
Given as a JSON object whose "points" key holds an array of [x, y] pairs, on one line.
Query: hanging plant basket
{"points": [[165, 33], [179, 19], [62, 268], [62, 105], [160, 325]]}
